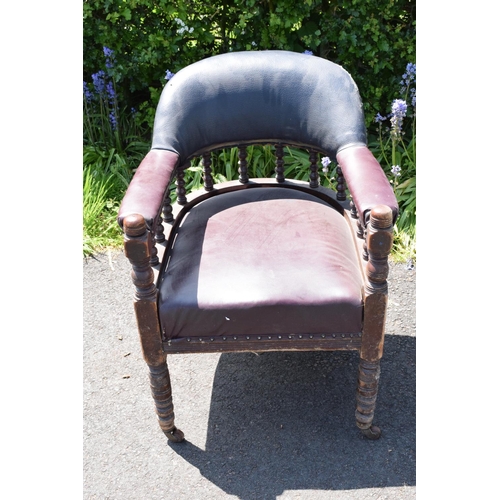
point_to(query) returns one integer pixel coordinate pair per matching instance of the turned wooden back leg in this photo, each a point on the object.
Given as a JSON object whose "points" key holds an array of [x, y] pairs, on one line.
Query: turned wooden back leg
{"points": [[378, 244]]}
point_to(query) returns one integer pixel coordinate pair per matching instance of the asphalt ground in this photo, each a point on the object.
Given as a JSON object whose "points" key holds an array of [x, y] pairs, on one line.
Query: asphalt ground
{"points": [[268, 426]]}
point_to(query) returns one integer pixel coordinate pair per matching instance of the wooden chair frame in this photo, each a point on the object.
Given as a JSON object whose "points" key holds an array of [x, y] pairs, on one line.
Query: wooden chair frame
{"points": [[149, 230]]}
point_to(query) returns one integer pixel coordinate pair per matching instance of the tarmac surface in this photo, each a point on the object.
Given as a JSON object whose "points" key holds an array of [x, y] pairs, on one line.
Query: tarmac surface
{"points": [[257, 427]]}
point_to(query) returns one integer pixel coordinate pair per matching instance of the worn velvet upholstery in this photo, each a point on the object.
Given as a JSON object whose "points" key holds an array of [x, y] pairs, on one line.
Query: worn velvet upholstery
{"points": [[262, 261]]}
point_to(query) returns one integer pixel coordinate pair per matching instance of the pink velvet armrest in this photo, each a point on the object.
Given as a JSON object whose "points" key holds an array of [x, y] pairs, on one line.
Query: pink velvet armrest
{"points": [[366, 181], [145, 193]]}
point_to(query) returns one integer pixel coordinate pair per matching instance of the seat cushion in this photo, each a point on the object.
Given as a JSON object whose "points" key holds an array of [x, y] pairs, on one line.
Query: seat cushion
{"points": [[261, 261]]}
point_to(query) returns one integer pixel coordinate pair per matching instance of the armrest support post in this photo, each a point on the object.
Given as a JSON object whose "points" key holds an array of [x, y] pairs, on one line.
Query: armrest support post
{"points": [[137, 242], [379, 239]]}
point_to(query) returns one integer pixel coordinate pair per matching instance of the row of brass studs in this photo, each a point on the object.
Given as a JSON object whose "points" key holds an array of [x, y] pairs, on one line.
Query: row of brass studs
{"points": [[280, 337]]}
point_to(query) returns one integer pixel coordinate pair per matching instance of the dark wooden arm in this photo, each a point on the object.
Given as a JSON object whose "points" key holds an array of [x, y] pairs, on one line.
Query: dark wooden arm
{"points": [[366, 181], [146, 192]]}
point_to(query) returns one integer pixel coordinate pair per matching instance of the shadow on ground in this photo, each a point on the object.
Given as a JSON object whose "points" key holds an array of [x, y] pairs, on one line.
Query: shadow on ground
{"points": [[285, 421]]}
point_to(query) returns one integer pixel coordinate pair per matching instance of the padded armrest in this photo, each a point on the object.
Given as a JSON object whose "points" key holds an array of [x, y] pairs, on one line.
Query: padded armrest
{"points": [[146, 191], [366, 181]]}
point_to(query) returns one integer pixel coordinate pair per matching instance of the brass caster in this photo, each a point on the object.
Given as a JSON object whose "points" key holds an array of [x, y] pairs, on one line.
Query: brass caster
{"points": [[175, 435], [373, 432]]}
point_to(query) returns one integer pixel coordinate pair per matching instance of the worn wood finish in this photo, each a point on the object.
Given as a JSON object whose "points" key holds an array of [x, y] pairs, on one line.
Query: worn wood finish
{"points": [[161, 389], [280, 164], [242, 162], [341, 194], [167, 211], [313, 175], [263, 343], [208, 181], [180, 183], [137, 243], [379, 242], [354, 211], [366, 397], [378, 245]]}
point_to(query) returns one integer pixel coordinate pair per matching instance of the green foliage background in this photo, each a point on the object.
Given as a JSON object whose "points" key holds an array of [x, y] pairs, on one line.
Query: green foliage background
{"points": [[372, 39]]}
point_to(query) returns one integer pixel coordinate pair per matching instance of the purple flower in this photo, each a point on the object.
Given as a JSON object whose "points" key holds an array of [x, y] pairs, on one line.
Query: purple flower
{"points": [[411, 69], [110, 57], [99, 81], [87, 92], [409, 79], [112, 120], [396, 170], [308, 52], [325, 161], [379, 118], [169, 75], [399, 108], [111, 91]]}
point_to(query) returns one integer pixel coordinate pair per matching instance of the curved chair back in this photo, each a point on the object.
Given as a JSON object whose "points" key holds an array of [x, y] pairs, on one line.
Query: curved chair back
{"points": [[250, 97]]}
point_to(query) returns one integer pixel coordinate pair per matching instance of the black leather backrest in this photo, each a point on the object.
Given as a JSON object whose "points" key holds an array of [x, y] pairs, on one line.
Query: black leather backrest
{"points": [[268, 96]]}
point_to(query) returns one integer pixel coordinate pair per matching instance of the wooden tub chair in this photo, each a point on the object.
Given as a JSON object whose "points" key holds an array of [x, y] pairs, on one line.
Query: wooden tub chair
{"points": [[266, 264]]}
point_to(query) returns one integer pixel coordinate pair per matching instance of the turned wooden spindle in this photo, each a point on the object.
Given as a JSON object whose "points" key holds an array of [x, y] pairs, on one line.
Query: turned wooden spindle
{"points": [[160, 231], [354, 211], [341, 195], [154, 260], [167, 211], [365, 248], [180, 189], [313, 175], [138, 250], [208, 181], [243, 167], [280, 164], [378, 243]]}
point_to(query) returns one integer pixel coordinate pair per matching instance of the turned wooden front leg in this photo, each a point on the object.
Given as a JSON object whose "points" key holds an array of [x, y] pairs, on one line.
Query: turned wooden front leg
{"points": [[378, 244], [138, 251], [159, 379]]}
